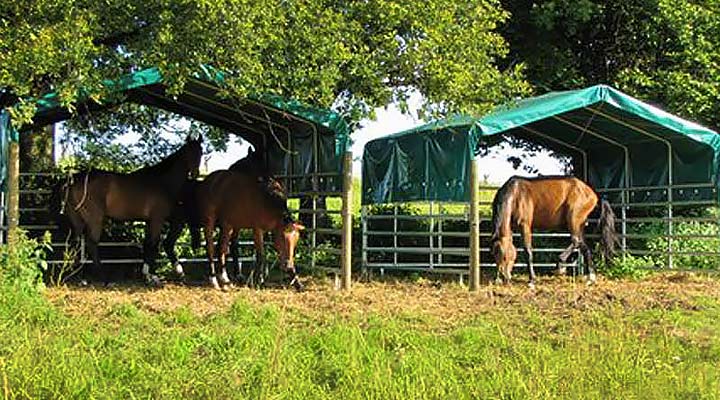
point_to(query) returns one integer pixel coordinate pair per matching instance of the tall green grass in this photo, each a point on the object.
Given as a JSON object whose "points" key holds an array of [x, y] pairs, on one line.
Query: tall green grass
{"points": [[267, 352]]}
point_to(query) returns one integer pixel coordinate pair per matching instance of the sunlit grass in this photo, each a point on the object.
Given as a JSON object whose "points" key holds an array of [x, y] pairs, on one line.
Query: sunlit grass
{"points": [[269, 351]]}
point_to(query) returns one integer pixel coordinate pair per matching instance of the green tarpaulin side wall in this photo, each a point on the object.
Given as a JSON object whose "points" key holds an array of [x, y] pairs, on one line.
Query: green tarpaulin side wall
{"points": [[599, 121], [201, 100]]}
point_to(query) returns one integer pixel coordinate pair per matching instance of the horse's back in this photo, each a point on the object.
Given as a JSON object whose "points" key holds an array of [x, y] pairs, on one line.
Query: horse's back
{"points": [[236, 198], [554, 201]]}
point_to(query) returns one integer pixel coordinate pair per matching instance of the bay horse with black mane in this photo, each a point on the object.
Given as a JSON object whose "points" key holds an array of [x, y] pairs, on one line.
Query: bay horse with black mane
{"points": [[236, 200], [148, 194], [186, 211], [552, 202]]}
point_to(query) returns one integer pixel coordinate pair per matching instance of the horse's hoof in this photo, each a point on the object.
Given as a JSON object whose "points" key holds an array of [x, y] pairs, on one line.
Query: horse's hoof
{"points": [[154, 281], [299, 287], [560, 271], [214, 283], [592, 279], [531, 286], [498, 281], [180, 270]]}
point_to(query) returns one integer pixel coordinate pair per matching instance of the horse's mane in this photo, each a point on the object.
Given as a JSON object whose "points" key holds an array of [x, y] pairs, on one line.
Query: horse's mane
{"points": [[165, 163], [500, 205], [252, 163], [274, 192]]}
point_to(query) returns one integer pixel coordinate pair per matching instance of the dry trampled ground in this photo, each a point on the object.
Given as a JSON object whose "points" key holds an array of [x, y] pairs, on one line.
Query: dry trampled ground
{"points": [[448, 303]]}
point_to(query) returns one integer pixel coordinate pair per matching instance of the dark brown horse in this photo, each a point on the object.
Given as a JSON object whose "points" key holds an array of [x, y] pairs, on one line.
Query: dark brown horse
{"points": [[554, 202], [148, 194], [187, 211], [236, 200]]}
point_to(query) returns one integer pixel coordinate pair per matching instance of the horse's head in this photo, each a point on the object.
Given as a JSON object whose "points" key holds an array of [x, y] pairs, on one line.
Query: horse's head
{"points": [[286, 238], [192, 154], [505, 253]]}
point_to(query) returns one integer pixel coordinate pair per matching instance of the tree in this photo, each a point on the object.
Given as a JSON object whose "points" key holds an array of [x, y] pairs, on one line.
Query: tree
{"points": [[663, 51], [353, 55]]}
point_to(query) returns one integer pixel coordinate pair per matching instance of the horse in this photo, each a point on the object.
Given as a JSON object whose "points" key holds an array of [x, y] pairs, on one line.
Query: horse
{"points": [[549, 202], [236, 200], [148, 194], [186, 211]]}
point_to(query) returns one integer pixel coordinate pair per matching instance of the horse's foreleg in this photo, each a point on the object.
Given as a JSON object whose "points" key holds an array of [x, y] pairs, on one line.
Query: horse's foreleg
{"points": [[171, 238], [527, 243], [259, 272], [153, 229], [210, 247], [226, 233], [93, 232]]}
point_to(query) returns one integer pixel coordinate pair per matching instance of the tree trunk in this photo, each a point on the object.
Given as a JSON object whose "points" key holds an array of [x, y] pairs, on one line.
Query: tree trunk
{"points": [[37, 150]]}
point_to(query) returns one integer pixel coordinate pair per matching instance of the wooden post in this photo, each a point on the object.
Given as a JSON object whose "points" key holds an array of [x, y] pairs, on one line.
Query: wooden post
{"points": [[346, 251], [474, 226], [13, 199]]}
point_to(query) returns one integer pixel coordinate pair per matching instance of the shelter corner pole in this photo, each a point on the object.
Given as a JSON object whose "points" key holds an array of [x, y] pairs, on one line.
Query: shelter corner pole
{"points": [[13, 201], [346, 252], [474, 225]]}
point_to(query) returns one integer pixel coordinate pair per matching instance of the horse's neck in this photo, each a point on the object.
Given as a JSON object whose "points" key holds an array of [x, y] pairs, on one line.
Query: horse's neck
{"points": [[506, 209], [171, 175]]}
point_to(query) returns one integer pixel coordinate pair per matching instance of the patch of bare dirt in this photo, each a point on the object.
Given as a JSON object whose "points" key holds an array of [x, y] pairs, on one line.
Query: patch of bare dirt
{"points": [[446, 302]]}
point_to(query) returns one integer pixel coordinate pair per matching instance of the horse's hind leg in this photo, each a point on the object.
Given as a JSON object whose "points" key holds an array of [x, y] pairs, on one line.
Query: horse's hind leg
{"points": [[587, 256], [210, 247], [574, 245], [527, 243], [258, 274], [235, 253]]}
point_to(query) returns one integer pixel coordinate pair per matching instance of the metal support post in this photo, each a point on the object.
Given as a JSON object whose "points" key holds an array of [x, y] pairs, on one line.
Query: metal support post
{"points": [[346, 258], [474, 226]]}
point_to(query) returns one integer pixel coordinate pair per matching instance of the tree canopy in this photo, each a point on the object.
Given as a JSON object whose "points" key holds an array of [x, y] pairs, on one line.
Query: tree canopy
{"points": [[353, 55], [663, 51]]}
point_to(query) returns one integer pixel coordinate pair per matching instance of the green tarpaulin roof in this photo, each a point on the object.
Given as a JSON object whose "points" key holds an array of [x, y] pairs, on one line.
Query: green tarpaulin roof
{"points": [[265, 120], [599, 126]]}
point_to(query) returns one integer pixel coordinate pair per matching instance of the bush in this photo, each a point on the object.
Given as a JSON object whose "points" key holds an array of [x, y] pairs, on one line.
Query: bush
{"points": [[696, 245], [23, 262], [626, 267]]}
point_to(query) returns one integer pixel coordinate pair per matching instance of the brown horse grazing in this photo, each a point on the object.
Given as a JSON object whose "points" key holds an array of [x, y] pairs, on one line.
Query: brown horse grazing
{"points": [[553, 202], [187, 212], [148, 194], [236, 200]]}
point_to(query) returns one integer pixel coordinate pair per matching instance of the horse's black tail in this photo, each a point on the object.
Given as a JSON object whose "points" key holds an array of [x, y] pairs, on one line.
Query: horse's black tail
{"points": [[608, 236]]}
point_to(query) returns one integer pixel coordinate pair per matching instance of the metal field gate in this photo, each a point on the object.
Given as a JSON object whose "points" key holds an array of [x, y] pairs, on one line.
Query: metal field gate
{"points": [[434, 236]]}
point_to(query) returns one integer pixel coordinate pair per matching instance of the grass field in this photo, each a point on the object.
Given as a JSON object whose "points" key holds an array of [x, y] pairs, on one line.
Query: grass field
{"points": [[651, 339]]}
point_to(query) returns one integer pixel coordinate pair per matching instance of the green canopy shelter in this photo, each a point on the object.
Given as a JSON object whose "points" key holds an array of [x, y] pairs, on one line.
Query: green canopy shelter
{"points": [[616, 141], [299, 139], [306, 146]]}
